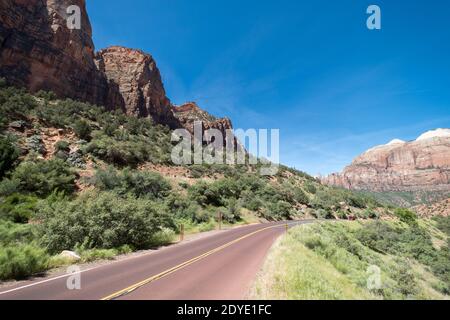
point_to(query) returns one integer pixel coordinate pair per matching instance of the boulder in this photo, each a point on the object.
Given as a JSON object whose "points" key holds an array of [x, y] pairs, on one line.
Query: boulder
{"points": [[70, 255]]}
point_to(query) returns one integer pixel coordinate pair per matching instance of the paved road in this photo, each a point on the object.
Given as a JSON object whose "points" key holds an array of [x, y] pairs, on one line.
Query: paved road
{"points": [[220, 266]]}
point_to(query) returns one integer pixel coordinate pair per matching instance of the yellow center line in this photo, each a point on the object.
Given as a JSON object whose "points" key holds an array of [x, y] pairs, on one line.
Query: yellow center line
{"points": [[182, 265]]}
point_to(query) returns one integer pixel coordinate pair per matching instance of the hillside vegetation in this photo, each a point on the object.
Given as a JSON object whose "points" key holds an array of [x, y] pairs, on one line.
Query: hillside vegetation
{"points": [[337, 260], [77, 177]]}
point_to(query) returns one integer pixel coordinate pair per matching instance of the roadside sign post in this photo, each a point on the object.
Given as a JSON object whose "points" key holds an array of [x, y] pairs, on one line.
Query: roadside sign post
{"points": [[220, 220], [181, 232]]}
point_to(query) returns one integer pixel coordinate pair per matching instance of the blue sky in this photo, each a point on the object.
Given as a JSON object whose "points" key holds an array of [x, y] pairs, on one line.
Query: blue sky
{"points": [[309, 68]]}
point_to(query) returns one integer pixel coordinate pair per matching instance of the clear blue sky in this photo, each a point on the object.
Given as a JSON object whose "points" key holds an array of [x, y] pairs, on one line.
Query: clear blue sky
{"points": [[310, 68]]}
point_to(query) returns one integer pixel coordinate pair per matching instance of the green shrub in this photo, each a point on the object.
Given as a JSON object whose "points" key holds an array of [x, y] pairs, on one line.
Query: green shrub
{"points": [[183, 208], [18, 208], [443, 224], [82, 129], [8, 155], [368, 213], [233, 212], [128, 153], [310, 187], [46, 95], [142, 184], [43, 177], [357, 201], [139, 141], [406, 281], [300, 196], [342, 214], [379, 236], [278, 210], [8, 187], [62, 145], [89, 255], [101, 220], [252, 202], [15, 104], [13, 233], [110, 128], [20, 261], [145, 184], [162, 237], [405, 215], [322, 214]]}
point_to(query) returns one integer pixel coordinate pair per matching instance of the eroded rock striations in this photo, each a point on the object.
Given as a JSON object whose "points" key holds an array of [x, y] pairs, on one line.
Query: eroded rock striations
{"points": [[139, 83], [188, 113], [423, 164], [39, 52]]}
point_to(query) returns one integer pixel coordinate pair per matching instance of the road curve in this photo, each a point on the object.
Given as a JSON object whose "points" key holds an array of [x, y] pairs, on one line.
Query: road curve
{"points": [[220, 266]]}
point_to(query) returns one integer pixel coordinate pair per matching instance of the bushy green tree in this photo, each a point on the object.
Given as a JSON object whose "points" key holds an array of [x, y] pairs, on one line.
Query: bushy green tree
{"points": [[62, 145], [18, 208], [82, 129], [310, 187], [9, 154], [13, 233], [15, 104], [43, 177], [101, 220], [405, 215], [141, 184], [21, 261]]}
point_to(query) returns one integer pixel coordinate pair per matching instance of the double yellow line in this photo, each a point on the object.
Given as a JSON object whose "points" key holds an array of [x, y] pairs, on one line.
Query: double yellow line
{"points": [[182, 265]]}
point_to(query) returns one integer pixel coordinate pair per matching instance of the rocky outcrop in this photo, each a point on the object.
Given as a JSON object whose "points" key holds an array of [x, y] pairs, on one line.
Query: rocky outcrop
{"points": [[441, 208], [138, 81], [38, 51], [423, 164], [188, 113]]}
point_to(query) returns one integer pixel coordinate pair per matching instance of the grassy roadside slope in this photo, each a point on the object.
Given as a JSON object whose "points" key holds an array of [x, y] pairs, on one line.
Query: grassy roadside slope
{"points": [[330, 260]]}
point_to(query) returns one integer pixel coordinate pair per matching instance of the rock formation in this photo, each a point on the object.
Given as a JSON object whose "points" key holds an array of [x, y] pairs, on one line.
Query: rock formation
{"points": [[423, 164], [39, 52], [139, 83], [190, 112]]}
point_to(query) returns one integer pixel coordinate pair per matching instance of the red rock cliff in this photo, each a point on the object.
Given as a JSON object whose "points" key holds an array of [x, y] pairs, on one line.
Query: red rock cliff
{"points": [[139, 82], [190, 112], [39, 52], [423, 164]]}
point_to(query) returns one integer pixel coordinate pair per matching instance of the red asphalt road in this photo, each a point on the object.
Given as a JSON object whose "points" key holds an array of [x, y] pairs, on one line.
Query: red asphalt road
{"points": [[218, 267]]}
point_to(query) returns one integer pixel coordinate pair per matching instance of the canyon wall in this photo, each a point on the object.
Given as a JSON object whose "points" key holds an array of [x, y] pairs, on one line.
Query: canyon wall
{"points": [[423, 164], [39, 52]]}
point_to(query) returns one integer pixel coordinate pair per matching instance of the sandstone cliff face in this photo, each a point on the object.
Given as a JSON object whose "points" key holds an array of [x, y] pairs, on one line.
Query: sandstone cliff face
{"points": [[38, 51], [139, 83], [189, 113], [423, 164]]}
